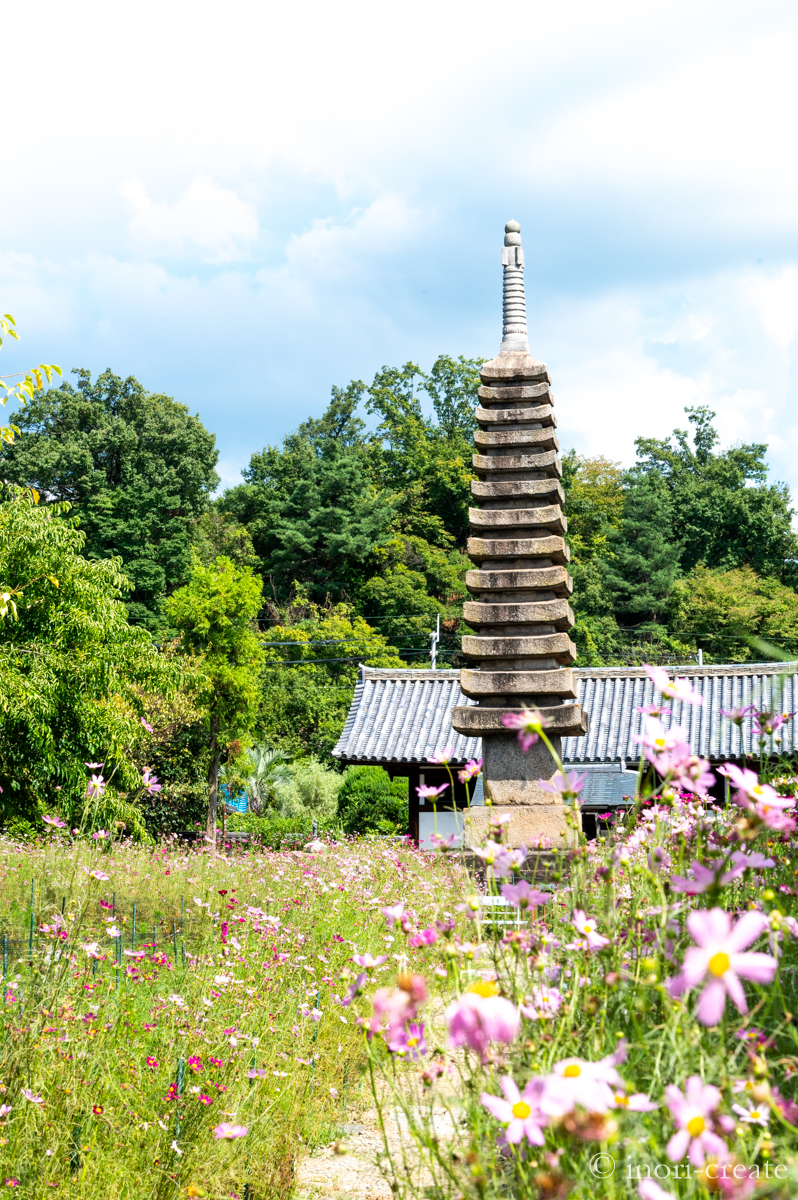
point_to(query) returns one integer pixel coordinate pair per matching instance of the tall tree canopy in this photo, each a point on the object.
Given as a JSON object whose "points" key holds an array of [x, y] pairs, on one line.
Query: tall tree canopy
{"points": [[75, 673], [136, 467]]}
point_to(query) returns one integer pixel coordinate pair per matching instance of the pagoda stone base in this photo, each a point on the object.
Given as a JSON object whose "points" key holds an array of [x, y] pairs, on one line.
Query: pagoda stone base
{"points": [[527, 825], [511, 776]]}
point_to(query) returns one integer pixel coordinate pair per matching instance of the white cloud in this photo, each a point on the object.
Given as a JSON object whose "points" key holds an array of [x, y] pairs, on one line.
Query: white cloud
{"points": [[207, 217]]}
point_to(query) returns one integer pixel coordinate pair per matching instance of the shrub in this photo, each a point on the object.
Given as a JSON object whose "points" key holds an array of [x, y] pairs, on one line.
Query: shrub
{"points": [[370, 802]]}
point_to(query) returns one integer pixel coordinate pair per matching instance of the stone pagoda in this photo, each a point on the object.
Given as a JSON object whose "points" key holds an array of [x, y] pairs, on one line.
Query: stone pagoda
{"points": [[521, 654]]}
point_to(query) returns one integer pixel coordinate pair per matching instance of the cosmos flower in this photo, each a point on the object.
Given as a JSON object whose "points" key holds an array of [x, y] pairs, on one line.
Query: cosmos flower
{"points": [[95, 787], [676, 689], [587, 926], [56, 822], [30, 1095], [517, 1110], [146, 725], [426, 792], [572, 1081], [150, 782], [442, 758], [480, 1017], [471, 770], [409, 1042], [96, 874], [692, 1112], [752, 1114], [719, 961], [368, 961], [529, 725], [543, 1003], [521, 895], [230, 1132], [567, 784]]}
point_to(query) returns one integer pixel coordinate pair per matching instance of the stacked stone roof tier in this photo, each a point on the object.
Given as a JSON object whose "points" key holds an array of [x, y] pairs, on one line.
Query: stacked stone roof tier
{"points": [[521, 652]]}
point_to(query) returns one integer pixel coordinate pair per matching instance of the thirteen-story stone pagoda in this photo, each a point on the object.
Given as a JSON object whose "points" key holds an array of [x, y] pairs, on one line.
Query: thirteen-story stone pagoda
{"points": [[521, 654]]}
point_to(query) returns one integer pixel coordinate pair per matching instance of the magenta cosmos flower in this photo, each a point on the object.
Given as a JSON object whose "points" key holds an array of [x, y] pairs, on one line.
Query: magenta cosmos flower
{"points": [[592, 1085], [567, 784], [692, 1113], [470, 771], [587, 927], [480, 1017], [521, 895], [719, 961], [518, 1110], [409, 1042]]}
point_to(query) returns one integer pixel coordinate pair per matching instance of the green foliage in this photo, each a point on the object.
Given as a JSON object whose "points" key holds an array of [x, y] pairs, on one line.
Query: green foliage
{"points": [[22, 390], [217, 534], [274, 832], [724, 610], [268, 771], [214, 613], [370, 802], [136, 467], [413, 583], [311, 791], [74, 671], [312, 509], [645, 552], [303, 707], [728, 515]]}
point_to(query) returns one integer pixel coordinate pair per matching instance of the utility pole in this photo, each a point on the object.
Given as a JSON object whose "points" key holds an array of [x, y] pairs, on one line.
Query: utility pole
{"points": [[434, 639]]}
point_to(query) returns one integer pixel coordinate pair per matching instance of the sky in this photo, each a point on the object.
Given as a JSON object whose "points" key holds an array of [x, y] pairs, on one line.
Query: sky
{"points": [[244, 204]]}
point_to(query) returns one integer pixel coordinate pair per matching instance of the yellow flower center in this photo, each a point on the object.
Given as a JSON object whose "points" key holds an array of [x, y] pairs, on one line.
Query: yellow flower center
{"points": [[412, 1041], [572, 1071], [484, 988], [695, 1126], [755, 1114], [521, 1110], [719, 963], [622, 1100]]}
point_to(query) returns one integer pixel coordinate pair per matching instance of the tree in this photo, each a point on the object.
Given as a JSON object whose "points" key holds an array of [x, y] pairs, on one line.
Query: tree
{"points": [[136, 468], [214, 613], [725, 611], [594, 508], [727, 514], [310, 669], [644, 552], [370, 802], [426, 462], [75, 673], [312, 509]]}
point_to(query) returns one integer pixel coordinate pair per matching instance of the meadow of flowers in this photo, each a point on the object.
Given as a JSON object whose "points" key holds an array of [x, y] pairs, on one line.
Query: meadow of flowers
{"points": [[631, 1033], [182, 1022], [176, 1022]]}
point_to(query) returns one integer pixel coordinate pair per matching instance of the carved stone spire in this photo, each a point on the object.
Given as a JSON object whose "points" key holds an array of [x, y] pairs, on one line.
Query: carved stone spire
{"points": [[521, 653], [513, 300]]}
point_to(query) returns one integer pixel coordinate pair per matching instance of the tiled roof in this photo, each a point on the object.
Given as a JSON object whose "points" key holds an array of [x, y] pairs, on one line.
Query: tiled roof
{"points": [[404, 716], [612, 694]]}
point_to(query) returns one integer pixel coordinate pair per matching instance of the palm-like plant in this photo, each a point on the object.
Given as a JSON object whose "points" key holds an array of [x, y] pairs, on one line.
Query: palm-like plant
{"points": [[269, 770]]}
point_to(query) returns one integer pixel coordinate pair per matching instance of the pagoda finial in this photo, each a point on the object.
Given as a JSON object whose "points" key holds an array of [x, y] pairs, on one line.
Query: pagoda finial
{"points": [[514, 302]]}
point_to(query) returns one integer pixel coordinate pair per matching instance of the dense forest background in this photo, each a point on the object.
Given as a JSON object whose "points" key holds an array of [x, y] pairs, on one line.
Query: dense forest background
{"points": [[344, 545]]}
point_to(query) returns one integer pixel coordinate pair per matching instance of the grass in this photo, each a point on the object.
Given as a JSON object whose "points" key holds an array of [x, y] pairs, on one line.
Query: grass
{"points": [[202, 1010]]}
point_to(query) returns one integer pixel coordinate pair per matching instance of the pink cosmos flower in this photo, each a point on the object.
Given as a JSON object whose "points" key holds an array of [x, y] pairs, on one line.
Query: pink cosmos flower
{"points": [[638, 1102], [471, 770], [393, 1007], [518, 1110], [95, 787], [146, 725], [5, 1109], [677, 689], [95, 766], [767, 723], [573, 1081], [750, 792], [568, 784], [718, 959], [150, 782], [737, 715], [55, 821], [543, 1003], [353, 990], [96, 874], [368, 961], [649, 1189], [425, 792], [409, 1042], [30, 1095], [529, 726], [659, 859], [443, 757], [99, 834], [476, 1020], [230, 1132], [393, 913], [445, 843], [692, 1113], [521, 895], [588, 928]]}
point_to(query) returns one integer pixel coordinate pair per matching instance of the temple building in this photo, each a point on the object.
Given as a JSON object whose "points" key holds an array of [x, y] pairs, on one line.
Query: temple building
{"points": [[401, 719]]}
